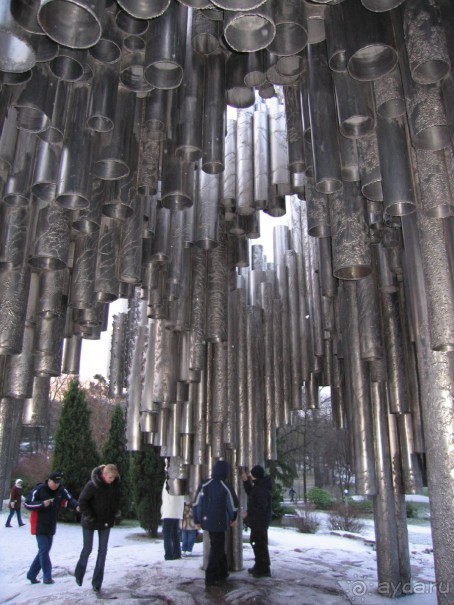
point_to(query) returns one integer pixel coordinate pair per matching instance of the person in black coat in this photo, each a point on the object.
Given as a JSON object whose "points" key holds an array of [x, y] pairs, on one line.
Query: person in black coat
{"points": [[99, 505], [215, 508], [258, 517], [44, 503]]}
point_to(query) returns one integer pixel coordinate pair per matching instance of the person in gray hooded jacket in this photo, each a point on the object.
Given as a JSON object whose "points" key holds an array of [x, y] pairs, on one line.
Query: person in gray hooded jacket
{"points": [[215, 508]]}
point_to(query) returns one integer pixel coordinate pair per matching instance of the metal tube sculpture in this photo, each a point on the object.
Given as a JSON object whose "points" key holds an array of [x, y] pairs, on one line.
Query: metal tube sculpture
{"points": [[119, 179]]}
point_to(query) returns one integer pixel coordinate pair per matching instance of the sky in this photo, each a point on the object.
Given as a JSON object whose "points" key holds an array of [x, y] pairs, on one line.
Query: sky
{"points": [[307, 569]]}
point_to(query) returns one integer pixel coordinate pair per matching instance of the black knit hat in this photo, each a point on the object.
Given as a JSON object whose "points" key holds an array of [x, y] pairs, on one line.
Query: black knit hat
{"points": [[258, 472], [56, 477]]}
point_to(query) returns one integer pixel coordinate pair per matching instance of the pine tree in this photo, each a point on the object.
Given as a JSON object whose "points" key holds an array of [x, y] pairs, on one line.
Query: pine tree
{"points": [[147, 476], [115, 452], [75, 452]]}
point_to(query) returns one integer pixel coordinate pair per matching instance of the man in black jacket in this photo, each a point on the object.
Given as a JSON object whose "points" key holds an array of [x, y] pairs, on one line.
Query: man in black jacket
{"points": [[45, 501], [258, 517]]}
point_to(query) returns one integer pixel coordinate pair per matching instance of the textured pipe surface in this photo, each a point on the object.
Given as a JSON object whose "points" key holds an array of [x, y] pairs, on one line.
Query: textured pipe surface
{"points": [[388, 571]]}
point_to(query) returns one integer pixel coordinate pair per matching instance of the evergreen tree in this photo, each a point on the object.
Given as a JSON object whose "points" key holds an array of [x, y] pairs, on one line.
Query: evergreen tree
{"points": [[147, 476], [75, 452], [115, 452]]}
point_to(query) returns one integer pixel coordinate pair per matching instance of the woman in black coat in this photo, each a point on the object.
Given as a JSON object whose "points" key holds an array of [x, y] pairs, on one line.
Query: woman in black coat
{"points": [[99, 505]]}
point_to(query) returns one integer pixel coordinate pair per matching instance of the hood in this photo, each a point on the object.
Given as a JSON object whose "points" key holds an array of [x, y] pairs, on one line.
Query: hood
{"points": [[220, 470], [96, 476]]}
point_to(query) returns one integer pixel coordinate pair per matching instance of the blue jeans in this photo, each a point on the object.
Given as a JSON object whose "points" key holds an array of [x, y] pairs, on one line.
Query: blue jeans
{"points": [[42, 559], [11, 514], [188, 539], [103, 540], [171, 535]]}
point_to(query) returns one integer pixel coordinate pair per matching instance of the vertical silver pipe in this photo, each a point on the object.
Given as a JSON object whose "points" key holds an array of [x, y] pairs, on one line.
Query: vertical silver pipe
{"points": [[359, 404], [394, 349], [50, 247], [244, 163], [106, 280], [74, 180], [370, 42], [426, 42], [369, 318], [261, 156], [255, 401], [294, 120], [388, 571], [399, 501], [318, 218], [217, 289], [354, 104], [436, 374], [294, 319], [130, 252], [397, 181], [327, 174], [433, 170], [189, 128], [438, 282], [350, 237], [198, 310], [207, 216], [214, 114], [279, 178], [242, 394], [266, 302], [165, 50], [369, 168], [228, 197]]}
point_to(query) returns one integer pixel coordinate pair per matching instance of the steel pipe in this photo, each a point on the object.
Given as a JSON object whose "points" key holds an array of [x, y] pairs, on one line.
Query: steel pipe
{"points": [[291, 28], [351, 251], [396, 170], [370, 42], [165, 49], [327, 172], [70, 23], [16, 51], [214, 114], [250, 30]]}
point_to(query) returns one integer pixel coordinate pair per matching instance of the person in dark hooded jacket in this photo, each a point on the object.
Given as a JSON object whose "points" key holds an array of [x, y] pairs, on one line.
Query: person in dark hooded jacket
{"points": [[99, 505], [215, 508], [44, 503], [258, 517]]}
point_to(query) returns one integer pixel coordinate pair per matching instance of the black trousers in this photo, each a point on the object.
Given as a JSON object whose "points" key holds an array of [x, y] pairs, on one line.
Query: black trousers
{"points": [[259, 543], [217, 561]]}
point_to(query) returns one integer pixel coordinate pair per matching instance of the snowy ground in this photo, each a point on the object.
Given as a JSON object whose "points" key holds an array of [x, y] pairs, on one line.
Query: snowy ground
{"points": [[320, 569]]}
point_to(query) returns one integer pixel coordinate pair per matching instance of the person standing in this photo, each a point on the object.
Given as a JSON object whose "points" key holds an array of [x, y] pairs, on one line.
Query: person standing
{"points": [[258, 517], [215, 507], [99, 504], [45, 501], [171, 515], [188, 529], [15, 503]]}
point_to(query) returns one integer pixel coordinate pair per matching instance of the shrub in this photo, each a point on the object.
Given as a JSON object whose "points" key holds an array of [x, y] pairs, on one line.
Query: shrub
{"points": [[307, 523], [362, 507], [320, 498], [412, 510], [345, 518]]}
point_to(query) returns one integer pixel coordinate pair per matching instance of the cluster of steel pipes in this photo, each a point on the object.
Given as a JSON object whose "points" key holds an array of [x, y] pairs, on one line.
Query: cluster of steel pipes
{"points": [[123, 176]]}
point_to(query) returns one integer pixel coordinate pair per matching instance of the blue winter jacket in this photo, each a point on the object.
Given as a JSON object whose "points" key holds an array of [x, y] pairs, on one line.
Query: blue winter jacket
{"points": [[216, 503]]}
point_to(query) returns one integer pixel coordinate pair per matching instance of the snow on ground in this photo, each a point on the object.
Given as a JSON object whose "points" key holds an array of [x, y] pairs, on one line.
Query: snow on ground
{"points": [[318, 569]]}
